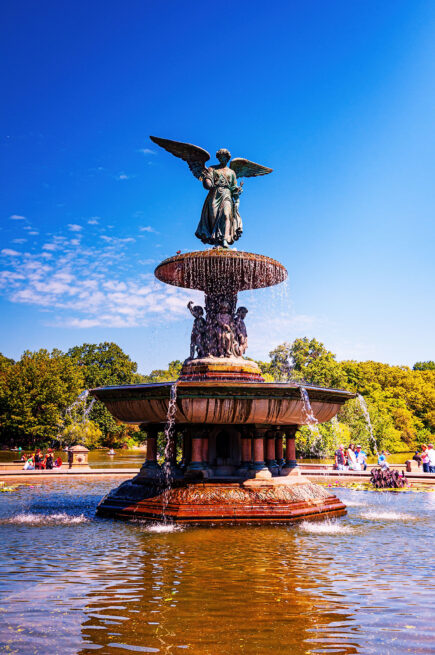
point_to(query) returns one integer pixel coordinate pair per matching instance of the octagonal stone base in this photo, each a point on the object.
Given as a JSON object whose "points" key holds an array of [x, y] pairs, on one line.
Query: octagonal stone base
{"points": [[220, 501]]}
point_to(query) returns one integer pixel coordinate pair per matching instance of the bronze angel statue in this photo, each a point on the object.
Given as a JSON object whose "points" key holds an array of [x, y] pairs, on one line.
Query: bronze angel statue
{"points": [[220, 223]]}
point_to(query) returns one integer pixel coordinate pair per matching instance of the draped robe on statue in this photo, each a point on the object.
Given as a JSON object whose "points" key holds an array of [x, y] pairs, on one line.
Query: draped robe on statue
{"points": [[220, 218]]}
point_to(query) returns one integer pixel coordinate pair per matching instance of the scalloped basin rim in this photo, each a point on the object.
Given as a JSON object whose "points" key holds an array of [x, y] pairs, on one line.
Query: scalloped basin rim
{"points": [[187, 384]]}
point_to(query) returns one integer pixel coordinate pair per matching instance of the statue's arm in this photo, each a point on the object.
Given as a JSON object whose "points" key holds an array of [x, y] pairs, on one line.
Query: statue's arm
{"points": [[207, 179], [235, 190]]}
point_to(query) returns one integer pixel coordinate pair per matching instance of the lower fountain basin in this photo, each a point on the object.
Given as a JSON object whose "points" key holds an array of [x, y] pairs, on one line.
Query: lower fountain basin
{"points": [[252, 501], [225, 403]]}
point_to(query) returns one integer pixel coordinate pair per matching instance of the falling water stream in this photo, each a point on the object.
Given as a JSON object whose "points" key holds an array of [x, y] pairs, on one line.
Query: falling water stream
{"points": [[365, 411], [311, 422], [167, 464], [81, 402]]}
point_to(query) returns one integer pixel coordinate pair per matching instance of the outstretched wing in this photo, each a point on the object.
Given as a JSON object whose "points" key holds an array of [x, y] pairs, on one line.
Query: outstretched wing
{"points": [[245, 168], [193, 155]]}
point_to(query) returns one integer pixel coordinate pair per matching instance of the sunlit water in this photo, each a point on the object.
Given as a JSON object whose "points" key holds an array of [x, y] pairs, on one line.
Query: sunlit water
{"points": [[71, 583]]}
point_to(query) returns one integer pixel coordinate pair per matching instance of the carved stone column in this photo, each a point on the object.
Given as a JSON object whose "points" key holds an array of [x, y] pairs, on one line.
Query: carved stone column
{"points": [[291, 465], [246, 448], [185, 449], [259, 465], [150, 467], [204, 450], [270, 452], [195, 463], [279, 448]]}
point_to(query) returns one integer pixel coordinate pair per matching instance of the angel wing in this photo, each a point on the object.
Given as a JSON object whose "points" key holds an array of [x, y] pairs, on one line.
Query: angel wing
{"points": [[193, 155], [245, 168]]}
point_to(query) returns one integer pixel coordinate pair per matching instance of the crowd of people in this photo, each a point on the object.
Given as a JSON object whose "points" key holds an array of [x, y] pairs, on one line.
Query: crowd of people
{"points": [[352, 458], [426, 458], [38, 461]]}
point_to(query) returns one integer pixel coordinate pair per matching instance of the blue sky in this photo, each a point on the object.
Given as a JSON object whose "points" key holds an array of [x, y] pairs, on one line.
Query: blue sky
{"points": [[336, 97]]}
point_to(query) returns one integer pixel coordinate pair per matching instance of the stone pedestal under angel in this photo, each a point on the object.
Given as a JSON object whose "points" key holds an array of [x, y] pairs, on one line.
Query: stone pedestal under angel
{"points": [[220, 223]]}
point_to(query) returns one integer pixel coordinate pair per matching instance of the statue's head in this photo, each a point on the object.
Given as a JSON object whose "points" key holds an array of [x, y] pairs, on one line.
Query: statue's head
{"points": [[224, 307], [242, 311], [197, 311], [223, 156]]}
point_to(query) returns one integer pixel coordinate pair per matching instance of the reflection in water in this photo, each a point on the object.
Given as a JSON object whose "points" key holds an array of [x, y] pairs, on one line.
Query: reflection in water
{"points": [[317, 587]]}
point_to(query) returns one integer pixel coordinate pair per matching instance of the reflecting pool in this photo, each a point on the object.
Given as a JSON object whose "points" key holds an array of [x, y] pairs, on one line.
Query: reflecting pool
{"points": [[71, 583]]}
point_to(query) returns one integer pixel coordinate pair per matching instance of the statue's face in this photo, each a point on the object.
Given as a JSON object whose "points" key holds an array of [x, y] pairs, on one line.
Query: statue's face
{"points": [[223, 157]]}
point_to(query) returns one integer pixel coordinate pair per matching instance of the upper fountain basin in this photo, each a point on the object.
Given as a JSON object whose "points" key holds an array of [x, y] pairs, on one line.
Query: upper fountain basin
{"points": [[221, 270], [223, 403]]}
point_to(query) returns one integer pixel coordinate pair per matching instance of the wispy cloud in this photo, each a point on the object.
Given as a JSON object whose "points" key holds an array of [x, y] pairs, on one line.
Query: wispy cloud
{"points": [[148, 228], [19, 240], [86, 286], [7, 252], [73, 227], [147, 151], [94, 220], [17, 217], [123, 176]]}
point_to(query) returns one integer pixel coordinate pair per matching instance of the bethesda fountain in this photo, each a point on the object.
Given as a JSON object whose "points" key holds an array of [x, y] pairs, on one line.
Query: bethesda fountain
{"points": [[230, 436]]}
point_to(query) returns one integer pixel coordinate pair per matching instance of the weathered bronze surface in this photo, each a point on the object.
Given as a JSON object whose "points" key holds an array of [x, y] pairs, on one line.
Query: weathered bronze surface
{"points": [[226, 402], [220, 500], [220, 223]]}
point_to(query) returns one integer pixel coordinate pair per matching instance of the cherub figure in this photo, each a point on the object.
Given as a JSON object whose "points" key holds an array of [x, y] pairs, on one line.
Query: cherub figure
{"points": [[220, 223], [240, 330], [225, 331], [198, 336]]}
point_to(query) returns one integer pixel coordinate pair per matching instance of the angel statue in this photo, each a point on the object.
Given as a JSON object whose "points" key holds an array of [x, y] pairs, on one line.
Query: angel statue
{"points": [[220, 223]]}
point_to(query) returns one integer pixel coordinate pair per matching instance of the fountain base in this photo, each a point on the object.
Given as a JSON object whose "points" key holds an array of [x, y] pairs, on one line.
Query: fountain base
{"points": [[220, 501]]}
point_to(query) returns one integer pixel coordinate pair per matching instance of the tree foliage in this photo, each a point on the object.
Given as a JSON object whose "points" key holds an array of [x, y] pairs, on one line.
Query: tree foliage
{"points": [[34, 394], [36, 391], [105, 364]]}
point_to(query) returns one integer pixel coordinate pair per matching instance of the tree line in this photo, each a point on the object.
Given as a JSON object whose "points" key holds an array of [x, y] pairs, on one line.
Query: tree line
{"points": [[38, 391]]}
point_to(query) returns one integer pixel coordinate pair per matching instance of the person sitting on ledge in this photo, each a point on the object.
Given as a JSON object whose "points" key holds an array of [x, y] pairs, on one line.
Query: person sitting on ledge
{"points": [[38, 459], [382, 460], [48, 461], [351, 459], [29, 465], [57, 463]]}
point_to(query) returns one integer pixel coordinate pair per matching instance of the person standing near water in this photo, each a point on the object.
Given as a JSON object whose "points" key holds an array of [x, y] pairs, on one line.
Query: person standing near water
{"points": [[431, 456], [425, 458], [361, 458], [340, 459]]}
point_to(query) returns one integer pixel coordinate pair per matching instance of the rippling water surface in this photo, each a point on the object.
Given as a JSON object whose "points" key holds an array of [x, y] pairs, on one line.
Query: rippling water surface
{"points": [[71, 583]]}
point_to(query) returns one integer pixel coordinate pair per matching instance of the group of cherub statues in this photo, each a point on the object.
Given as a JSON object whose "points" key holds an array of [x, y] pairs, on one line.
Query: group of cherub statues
{"points": [[222, 335]]}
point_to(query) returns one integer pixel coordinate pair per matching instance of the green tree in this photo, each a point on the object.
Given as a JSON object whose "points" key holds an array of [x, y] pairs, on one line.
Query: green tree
{"points": [[424, 366], [106, 364], [35, 392], [306, 360], [169, 374], [85, 433]]}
